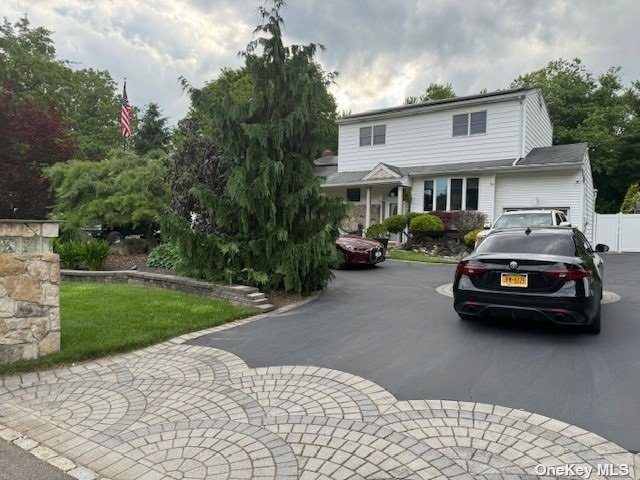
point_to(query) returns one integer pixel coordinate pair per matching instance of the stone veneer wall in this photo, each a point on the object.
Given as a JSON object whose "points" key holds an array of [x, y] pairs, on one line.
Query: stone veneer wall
{"points": [[29, 290], [356, 215], [29, 306]]}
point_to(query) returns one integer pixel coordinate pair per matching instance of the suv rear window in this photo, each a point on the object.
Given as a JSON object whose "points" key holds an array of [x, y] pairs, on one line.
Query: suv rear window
{"points": [[524, 220], [541, 243]]}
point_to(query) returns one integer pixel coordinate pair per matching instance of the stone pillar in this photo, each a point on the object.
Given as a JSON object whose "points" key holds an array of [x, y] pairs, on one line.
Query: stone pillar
{"points": [[29, 295]]}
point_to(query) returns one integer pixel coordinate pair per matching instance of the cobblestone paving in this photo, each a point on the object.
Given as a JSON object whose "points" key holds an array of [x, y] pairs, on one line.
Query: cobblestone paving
{"points": [[180, 411]]}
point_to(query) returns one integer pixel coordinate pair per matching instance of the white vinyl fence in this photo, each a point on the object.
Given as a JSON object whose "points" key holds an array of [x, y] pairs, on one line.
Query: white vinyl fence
{"points": [[621, 231]]}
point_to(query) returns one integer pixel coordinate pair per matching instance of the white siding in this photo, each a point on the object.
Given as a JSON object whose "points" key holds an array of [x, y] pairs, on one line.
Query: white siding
{"points": [[427, 139], [558, 189], [487, 196], [485, 193], [538, 130], [589, 198]]}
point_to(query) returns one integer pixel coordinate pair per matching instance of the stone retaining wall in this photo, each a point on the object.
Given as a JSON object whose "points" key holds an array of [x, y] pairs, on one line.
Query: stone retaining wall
{"points": [[238, 294]]}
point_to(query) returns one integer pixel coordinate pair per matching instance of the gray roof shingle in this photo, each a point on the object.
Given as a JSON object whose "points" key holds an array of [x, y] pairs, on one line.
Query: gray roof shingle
{"points": [[569, 153]]}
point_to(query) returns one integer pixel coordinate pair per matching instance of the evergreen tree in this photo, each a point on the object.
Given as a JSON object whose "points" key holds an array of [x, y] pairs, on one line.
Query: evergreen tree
{"points": [[152, 134], [275, 225]]}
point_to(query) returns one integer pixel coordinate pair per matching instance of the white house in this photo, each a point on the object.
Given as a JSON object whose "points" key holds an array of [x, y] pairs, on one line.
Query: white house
{"points": [[490, 152]]}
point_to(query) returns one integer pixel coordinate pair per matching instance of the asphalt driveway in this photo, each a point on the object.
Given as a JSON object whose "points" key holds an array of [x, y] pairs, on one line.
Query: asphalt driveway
{"points": [[389, 325]]}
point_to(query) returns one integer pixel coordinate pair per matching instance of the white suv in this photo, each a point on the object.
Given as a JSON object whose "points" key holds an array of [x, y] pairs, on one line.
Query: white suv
{"points": [[526, 218]]}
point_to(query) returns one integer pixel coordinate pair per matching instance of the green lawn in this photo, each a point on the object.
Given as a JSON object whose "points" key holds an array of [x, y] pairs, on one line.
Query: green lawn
{"points": [[416, 257], [99, 319]]}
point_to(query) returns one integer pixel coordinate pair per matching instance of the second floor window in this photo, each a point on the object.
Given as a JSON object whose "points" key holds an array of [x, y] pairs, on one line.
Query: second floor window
{"points": [[376, 135], [469, 124]]}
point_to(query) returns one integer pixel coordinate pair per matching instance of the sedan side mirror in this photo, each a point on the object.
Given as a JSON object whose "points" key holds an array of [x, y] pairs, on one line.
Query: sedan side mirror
{"points": [[487, 226], [565, 224], [602, 248]]}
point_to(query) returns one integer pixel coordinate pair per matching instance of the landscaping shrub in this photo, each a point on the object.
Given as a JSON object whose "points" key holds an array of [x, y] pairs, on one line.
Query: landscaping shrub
{"points": [[395, 223], [94, 253], [426, 224], [466, 220], [70, 253], [164, 255], [377, 230], [411, 215], [78, 254], [469, 238], [445, 216]]}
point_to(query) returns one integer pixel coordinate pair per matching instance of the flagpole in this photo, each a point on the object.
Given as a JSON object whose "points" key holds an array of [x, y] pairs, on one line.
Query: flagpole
{"points": [[124, 138]]}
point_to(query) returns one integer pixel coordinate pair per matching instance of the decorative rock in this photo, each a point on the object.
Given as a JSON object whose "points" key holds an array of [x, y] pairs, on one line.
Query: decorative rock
{"points": [[11, 265], [23, 288], [49, 344], [51, 294], [26, 309], [39, 270]]}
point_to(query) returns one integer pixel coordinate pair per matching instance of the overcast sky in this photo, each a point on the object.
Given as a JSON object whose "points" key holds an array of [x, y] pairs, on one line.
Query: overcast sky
{"points": [[383, 49]]}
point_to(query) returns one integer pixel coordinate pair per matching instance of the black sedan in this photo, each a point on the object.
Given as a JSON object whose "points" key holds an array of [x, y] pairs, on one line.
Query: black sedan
{"points": [[549, 274]]}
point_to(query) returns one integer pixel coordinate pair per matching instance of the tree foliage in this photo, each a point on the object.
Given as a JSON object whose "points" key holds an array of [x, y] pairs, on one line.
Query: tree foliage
{"points": [[630, 199], [595, 109], [86, 98], [152, 132], [275, 227], [435, 91], [119, 190], [31, 136]]}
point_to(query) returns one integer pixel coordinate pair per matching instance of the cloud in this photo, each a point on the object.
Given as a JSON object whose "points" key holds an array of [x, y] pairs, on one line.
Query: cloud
{"points": [[383, 50]]}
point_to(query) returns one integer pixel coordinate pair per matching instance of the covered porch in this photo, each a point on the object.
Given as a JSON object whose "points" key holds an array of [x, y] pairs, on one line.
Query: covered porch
{"points": [[372, 195]]}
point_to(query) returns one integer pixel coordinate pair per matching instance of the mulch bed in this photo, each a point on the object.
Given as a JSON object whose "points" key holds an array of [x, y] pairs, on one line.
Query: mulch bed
{"points": [[136, 261]]}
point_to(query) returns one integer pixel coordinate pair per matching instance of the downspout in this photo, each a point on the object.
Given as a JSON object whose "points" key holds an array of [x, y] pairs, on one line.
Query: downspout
{"points": [[522, 126]]}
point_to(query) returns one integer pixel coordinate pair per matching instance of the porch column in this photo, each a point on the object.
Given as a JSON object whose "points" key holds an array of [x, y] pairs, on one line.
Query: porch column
{"points": [[401, 211], [367, 212], [381, 202]]}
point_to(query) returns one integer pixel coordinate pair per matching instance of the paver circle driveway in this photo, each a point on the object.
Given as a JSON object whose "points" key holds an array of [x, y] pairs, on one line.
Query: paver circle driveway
{"points": [[388, 325]]}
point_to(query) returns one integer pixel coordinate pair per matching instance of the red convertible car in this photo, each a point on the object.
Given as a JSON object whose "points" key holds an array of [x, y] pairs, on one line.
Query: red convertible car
{"points": [[357, 250]]}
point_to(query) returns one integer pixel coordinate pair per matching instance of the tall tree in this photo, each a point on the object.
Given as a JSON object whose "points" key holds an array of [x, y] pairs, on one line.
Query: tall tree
{"points": [[31, 137], [152, 132], [86, 98], [596, 109], [435, 91], [276, 226]]}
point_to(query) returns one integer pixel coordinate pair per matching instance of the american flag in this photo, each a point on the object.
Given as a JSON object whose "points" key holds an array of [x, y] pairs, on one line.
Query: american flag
{"points": [[125, 113]]}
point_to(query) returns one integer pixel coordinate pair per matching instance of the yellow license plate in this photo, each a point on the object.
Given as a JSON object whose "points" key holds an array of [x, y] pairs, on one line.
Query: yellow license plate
{"points": [[514, 280]]}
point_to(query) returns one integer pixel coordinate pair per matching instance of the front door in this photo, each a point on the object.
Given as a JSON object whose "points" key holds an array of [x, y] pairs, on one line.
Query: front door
{"points": [[392, 209]]}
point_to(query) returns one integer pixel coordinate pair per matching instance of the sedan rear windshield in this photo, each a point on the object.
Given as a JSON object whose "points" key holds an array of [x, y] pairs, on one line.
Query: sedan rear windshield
{"points": [[524, 220], [540, 243]]}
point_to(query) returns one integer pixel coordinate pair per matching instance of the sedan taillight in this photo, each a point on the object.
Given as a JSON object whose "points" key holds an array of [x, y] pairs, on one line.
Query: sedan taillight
{"points": [[470, 268], [567, 274]]}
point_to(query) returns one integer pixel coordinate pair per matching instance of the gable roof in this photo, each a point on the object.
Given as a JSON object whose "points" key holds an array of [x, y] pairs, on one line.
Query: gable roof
{"points": [[423, 107]]}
